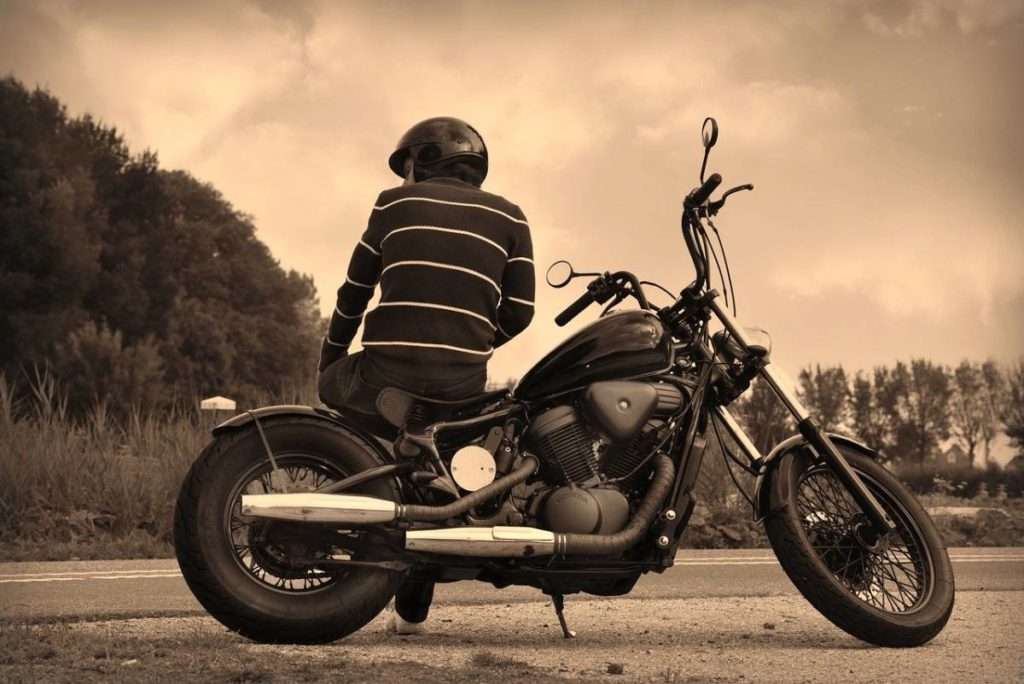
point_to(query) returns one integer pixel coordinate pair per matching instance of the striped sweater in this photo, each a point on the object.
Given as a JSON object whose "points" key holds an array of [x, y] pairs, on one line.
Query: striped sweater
{"points": [[455, 267]]}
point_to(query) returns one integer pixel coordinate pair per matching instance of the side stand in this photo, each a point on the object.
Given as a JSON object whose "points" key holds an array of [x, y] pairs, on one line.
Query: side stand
{"points": [[559, 601]]}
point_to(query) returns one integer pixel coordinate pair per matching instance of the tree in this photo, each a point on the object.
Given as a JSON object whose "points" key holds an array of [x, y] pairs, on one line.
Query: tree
{"points": [[106, 370], [918, 398], [869, 412], [995, 398], [153, 259], [973, 414], [765, 420], [825, 393], [1013, 412]]}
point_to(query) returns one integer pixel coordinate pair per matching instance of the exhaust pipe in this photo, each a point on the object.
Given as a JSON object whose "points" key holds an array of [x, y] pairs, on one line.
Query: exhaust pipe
{"points": [[514, 542], [324, 508], [352, 509], [503, 541], [524, 542], [609, 544]]}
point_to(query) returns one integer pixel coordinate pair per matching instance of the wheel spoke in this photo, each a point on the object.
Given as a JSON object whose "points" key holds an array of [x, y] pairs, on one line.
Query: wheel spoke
{"points": [[268, 550], [892, 578]]}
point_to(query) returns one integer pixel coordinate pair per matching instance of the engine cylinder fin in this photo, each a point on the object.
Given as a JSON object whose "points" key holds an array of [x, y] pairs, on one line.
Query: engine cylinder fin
{"points": [[561, 439], [622, 461]]}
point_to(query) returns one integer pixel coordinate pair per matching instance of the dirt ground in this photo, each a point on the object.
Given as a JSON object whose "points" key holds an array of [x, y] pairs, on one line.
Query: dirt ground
{"points": [[768, 639]]}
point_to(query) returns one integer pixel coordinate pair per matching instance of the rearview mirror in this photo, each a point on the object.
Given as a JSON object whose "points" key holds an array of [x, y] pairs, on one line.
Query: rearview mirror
{"points": [[709, 133], [560, 273]]}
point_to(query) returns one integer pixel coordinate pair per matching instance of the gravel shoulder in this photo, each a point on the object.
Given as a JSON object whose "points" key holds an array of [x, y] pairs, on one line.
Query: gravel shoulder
{"points": [[766, 639]]}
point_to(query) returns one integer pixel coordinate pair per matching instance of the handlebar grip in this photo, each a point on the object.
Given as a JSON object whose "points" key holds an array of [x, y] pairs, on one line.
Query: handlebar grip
{"points": [[701, 194], [574, 309]]}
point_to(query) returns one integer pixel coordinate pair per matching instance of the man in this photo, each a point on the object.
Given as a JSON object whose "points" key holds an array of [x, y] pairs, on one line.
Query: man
{"points": [[455, 267]]}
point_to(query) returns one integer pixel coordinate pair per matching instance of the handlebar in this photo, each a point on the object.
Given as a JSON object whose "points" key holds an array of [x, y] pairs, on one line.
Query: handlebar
{"points": [[602, 288], [700, 195], [574, 309]]}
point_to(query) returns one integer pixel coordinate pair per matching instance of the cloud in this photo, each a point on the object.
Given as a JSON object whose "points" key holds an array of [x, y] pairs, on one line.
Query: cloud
{"points": [[592, 113], [919, 17]]}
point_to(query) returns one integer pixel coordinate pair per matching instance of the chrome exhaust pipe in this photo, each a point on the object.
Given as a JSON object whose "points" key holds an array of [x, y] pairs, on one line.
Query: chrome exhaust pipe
{"points": [[523, 542], [349, 509], [517, 542], [352, 509]]}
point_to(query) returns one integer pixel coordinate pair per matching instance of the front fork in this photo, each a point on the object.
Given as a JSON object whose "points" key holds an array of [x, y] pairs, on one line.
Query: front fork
{"points": [[819, 441]]}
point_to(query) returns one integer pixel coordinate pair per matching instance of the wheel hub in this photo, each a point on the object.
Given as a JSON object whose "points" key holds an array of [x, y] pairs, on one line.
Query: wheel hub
{"points": [[282, 549]]}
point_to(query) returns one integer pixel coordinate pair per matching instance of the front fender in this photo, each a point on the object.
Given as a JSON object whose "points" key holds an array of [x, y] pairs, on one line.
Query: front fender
{"points": [[269, 413], [771, 462]]}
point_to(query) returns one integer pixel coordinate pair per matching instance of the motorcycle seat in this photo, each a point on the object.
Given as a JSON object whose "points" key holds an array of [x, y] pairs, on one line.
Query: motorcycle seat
{"points": [[406, 410]]}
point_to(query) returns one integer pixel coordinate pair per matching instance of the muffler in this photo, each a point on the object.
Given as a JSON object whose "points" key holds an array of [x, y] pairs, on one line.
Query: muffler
{"points": [[518, 542], [352, 509], [325, 508]]}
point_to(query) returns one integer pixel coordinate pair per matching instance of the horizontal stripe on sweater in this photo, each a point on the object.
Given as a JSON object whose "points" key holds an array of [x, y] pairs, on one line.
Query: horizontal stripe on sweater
{"points": [[450, 231], [440, 307], [453, 204], [449, 267]]}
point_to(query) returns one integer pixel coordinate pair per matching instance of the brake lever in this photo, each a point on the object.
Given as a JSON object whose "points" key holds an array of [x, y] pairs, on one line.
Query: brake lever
{"points": [[714, 207]]}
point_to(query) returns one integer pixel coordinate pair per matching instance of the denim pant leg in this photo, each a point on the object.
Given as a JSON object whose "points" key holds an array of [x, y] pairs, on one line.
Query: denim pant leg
{"points": [[343, 385]]}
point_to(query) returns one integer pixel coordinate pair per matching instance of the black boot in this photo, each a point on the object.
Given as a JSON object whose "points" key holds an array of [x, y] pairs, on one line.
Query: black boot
{"points": [[412, 602]]}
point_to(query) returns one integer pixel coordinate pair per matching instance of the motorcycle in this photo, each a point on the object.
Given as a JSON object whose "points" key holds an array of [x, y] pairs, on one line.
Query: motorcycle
{"points": [[299, 524]]}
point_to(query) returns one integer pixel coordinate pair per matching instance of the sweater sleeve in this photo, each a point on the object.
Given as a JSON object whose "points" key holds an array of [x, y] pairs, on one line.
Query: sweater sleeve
{"points": [[515, 310], [361, 279]]}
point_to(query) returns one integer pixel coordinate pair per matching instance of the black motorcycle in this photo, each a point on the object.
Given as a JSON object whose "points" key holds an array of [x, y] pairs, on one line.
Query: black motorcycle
{"points": [[298, 524]]}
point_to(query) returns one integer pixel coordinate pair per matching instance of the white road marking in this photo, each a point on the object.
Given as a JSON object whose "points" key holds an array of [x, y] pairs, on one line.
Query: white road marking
{"points": [[89, 579], [88, 572], [681, 560]]}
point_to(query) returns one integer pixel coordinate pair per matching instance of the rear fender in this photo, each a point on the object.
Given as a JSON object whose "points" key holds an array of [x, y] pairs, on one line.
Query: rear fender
{"points": [[771, 462], [268, 414]]}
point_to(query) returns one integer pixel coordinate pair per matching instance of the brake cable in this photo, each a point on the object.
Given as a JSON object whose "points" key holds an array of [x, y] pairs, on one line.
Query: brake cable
{"points": [[725, 258]]}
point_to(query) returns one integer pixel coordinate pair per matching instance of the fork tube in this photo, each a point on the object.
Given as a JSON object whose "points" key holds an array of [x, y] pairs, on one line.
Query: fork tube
{"points": [[738, 435], [809, 430], [789, 399], [729, 322], [827, 451]]}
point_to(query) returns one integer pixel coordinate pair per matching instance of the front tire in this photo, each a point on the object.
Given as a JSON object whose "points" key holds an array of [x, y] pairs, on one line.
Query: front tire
{"points": [[896, 594], [240, 569]]}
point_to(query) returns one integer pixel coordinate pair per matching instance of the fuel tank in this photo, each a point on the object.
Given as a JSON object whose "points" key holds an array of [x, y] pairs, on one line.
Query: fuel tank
{"points": [[628, 344]]}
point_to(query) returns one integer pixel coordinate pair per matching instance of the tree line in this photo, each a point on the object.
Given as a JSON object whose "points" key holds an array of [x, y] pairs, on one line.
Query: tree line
{"points": [[906, 412], [134, 283]]}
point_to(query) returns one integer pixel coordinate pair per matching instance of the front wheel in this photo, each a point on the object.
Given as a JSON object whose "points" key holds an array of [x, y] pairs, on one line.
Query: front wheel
{"points": [[896, 591]]}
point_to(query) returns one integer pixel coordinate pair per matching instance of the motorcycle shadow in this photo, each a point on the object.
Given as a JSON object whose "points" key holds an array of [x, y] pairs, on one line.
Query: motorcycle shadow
{"points": [[526, 628]]}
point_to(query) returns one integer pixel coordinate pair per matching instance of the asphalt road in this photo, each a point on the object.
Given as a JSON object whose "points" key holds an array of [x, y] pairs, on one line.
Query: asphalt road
{"points": [[122, 589]]}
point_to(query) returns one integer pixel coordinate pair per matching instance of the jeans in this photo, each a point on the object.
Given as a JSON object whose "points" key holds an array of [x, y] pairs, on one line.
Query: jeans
{"points": [[354, 381]]}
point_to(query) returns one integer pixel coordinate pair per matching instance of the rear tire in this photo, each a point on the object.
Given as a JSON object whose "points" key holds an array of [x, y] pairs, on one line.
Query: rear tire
{"points": [[237, 589], [898, 595]]}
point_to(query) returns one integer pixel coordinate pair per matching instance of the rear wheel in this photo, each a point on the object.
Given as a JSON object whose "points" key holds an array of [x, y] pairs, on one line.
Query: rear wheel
{"points": [[254, 575], [894, 591]]}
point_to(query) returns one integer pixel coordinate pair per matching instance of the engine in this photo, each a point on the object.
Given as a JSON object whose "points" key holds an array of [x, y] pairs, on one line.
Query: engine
{"points": [[595, 451]]}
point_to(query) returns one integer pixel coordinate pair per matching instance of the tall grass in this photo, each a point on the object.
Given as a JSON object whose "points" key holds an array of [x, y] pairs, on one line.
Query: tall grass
{"points": [[82, 482]]}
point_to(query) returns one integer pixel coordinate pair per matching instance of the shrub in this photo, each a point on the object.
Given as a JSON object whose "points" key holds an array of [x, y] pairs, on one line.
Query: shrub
{"points": [[80, 481], [961, 482], [102, 368]]}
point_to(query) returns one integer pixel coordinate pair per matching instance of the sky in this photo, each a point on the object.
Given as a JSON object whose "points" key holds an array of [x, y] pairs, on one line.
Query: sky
{"points": [[882, 138]]}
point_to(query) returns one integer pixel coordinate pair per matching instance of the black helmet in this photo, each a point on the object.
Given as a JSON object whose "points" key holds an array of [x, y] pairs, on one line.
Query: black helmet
{"points": [[442, 138]]}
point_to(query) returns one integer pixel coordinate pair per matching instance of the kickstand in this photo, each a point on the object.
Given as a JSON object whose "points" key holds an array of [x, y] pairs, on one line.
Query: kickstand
{"points": [[559, 602]]}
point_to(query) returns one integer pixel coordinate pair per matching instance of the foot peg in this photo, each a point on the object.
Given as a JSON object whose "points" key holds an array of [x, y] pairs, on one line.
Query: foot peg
{"points": [[559, 601]]}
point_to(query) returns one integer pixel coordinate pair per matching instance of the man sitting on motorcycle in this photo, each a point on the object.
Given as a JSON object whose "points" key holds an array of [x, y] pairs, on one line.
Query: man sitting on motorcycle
{"points": [[455, 267]]}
